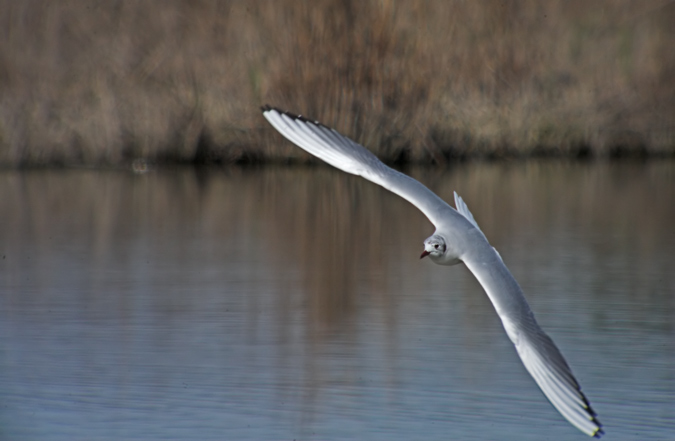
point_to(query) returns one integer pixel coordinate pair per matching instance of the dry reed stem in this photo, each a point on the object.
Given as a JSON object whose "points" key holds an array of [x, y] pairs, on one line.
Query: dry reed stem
{"points": [[107, 82]]}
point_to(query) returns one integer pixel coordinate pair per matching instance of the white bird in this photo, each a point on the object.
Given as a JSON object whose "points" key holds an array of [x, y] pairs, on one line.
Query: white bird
{"points": [[457, 239]]}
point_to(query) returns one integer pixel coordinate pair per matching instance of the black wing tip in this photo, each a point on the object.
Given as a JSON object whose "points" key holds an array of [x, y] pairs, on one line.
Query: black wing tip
{"points": [[587, 405], [599, 432], [267, 108]]}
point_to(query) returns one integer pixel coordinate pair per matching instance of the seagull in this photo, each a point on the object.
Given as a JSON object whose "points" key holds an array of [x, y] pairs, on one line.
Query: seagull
{"points": [[457, 239]]}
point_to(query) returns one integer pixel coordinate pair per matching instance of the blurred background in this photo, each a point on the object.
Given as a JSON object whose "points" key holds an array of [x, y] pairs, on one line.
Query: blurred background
{"points": [[109, 82]]}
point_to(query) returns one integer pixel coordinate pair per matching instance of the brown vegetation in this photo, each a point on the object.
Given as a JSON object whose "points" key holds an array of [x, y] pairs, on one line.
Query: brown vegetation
{"points": [[107, 82]]}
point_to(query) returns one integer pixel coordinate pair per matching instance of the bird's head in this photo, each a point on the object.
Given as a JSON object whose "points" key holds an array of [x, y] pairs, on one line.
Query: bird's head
{"points": [[434, 246]]}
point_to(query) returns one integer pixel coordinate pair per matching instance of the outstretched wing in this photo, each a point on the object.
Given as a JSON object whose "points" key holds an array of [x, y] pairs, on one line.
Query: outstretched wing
{"points": [[348, 156], [539, 354]]}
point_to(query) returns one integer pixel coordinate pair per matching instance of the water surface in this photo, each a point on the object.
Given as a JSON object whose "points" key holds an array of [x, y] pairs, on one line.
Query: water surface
{"points": [[290, 303]]}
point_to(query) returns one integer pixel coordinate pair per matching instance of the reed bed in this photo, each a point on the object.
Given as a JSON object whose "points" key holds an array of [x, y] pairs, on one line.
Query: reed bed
{"points": [[107, 83]]}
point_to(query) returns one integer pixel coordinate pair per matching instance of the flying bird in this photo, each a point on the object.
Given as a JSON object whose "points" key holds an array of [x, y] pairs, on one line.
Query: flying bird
{"points": [[457, 239]]}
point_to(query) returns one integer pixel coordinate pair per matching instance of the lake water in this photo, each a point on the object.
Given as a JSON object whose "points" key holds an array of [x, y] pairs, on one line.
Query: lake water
{"points": [[290, 303]]}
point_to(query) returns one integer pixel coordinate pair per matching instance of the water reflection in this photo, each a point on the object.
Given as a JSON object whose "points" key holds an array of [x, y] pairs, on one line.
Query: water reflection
{"points": [[283, 303]]}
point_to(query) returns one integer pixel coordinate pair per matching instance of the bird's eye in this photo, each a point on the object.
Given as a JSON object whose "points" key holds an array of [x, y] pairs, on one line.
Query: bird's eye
{"points": [[436, 246]]}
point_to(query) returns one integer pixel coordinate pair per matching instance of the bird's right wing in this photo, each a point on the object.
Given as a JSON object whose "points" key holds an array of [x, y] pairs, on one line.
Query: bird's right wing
{"points": [[542, 359], [343, 153]]}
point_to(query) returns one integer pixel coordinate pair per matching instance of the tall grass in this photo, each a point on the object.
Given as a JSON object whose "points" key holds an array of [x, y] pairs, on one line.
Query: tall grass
{"points": [[107, 82]]}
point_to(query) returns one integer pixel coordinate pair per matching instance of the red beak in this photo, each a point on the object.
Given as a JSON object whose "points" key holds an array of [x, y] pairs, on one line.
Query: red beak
{"points": [[425, 253]]}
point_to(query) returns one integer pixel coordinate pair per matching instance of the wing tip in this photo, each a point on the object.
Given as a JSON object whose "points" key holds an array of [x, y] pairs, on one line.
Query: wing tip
{"points": [[267, 108], [592, 416], [599, 431]]}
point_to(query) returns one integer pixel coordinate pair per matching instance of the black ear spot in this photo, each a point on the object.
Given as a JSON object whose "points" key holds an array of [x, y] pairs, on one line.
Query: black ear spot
{"points": [[444, 248]]}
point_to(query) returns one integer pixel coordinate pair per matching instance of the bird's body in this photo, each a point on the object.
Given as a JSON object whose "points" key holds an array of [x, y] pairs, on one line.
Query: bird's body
{"points": [[457, 239]]}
